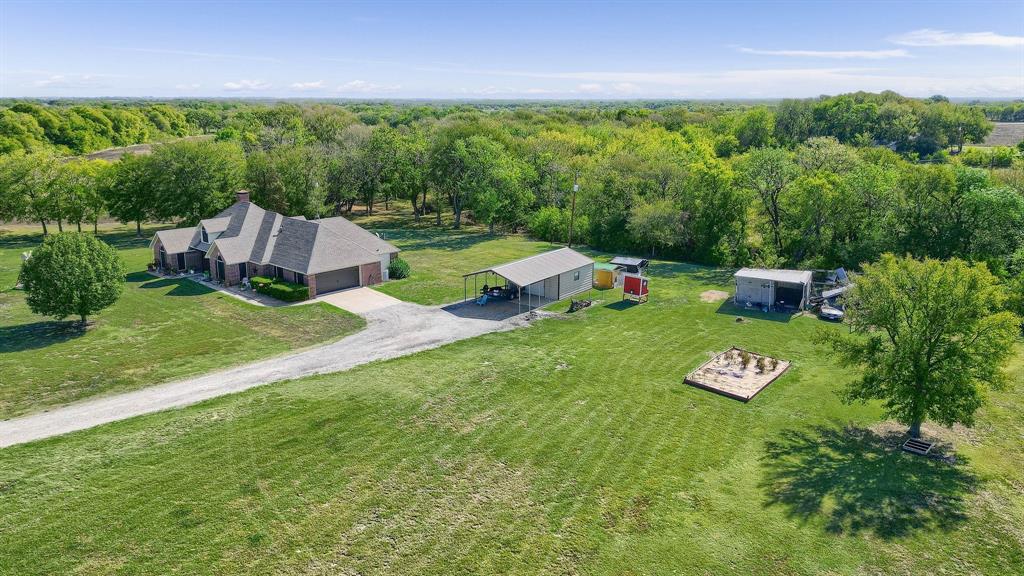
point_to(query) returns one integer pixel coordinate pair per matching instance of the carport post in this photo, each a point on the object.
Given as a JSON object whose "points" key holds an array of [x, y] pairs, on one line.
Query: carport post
{"points": [[465, 282]]}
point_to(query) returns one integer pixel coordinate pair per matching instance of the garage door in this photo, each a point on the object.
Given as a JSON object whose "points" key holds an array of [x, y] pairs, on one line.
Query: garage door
{"points": [[337, 279]]}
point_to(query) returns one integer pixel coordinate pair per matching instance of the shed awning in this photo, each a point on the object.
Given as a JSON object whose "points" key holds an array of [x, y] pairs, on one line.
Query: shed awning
{"points": [[536, 268]]}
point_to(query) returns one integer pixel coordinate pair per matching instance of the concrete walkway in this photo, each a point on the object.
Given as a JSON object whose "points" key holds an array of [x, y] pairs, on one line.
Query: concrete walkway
{"points": [[360, 301], [391, 331]]}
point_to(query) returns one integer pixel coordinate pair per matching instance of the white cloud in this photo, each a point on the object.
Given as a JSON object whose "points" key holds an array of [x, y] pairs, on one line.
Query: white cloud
{"points": [[931, 37], [71, 81], [590, 88], [307, 85], [246, 85], [364, 87], [626, 88], [770, 82], [835, 54]]}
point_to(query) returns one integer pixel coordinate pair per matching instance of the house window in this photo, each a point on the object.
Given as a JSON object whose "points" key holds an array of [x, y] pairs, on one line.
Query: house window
{"points": [[278, 272], [206, 237], [576, 276], [300, 278]]}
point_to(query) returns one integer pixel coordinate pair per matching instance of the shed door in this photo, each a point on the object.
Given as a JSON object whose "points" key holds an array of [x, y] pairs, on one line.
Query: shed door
{"points": [[337, 279]]}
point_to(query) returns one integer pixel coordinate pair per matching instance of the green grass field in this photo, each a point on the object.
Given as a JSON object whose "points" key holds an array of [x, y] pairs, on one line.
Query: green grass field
{"points": [[569, 447], [159, 330]]}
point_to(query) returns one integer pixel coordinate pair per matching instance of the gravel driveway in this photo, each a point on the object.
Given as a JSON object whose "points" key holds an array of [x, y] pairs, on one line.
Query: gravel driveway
{"points": [[391, 331]]}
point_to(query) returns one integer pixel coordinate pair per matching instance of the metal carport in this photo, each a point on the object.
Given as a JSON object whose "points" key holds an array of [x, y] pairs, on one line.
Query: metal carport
{"points": [[556, 275]]}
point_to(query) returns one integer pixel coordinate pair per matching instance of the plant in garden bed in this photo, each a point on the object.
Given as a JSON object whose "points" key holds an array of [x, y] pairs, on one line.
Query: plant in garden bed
{"points": [[280, 289]]}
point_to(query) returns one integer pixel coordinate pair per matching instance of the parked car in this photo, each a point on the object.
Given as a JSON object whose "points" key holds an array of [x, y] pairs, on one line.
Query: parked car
{"points": [[832, 313]]}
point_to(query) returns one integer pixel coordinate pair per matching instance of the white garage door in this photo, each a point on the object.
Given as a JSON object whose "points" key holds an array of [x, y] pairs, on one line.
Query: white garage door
{"points": [[337, 279]]}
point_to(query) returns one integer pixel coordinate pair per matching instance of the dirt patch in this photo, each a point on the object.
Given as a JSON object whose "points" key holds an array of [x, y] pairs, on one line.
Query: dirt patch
{"points": [[713, 296]]}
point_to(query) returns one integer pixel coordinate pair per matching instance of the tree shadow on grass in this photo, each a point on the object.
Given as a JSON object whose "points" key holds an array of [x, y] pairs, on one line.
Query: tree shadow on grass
{"points": [[622, 305], [861, 482], [695, 272], [38, 335], [181, 286], [445, 239], [728, 307]]}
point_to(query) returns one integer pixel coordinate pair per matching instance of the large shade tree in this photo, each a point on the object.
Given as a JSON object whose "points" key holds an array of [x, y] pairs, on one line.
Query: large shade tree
{"points": [[72, 274], [927, 336]]}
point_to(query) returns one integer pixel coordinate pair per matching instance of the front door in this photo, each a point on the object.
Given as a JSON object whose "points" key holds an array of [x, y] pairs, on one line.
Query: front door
{"points": [[220, 270], [181, 261]]}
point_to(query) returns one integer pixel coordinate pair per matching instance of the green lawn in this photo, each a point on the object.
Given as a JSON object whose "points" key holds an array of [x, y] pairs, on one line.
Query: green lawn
{"points": [[569, 447], [159, 330]]}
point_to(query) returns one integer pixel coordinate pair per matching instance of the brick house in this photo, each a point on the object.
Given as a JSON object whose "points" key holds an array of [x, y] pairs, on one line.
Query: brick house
{"points": [[245, 240]]}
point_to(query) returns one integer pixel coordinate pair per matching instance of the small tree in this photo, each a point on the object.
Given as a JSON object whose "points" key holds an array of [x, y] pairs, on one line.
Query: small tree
{"points": [[745, 359], [925, 334], [761, 365], [72, 274]]}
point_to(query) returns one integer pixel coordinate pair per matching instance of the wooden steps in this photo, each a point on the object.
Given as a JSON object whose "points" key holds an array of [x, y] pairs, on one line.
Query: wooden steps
{"points": [[918, 446]]}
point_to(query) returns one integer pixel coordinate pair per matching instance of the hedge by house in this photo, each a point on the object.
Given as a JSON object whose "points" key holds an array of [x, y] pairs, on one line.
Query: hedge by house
{"points": [[277, 288]]}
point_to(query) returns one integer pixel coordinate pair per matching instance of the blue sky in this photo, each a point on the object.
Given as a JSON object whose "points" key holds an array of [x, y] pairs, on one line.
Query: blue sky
{"points": [[528, 50]]}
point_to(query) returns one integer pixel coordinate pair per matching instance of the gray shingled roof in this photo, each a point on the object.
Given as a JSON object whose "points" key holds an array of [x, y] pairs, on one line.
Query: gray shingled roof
{"points": [[214, 225], [175, 240], [311, 247], [536, 268], [251, 234], [357, 235]]}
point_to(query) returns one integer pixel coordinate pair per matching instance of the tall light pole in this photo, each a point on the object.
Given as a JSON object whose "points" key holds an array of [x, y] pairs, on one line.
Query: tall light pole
{"points": [[572, 213]]}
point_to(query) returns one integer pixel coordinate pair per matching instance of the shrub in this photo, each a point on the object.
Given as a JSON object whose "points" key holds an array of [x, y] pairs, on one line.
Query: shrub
{"points": [[745, 358], [761, 365], [260, 281], [284, 291], [399, 269]]}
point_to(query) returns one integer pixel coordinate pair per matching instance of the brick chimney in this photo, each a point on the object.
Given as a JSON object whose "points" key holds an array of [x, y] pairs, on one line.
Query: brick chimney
{"points": [[242, 196]]}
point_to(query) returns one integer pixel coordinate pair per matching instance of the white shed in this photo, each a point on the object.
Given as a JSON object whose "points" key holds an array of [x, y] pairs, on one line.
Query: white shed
{"points": [[776, 289]]}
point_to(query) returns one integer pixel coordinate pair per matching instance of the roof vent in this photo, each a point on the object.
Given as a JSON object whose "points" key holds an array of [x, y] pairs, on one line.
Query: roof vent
{"points": [[242, 196]]}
